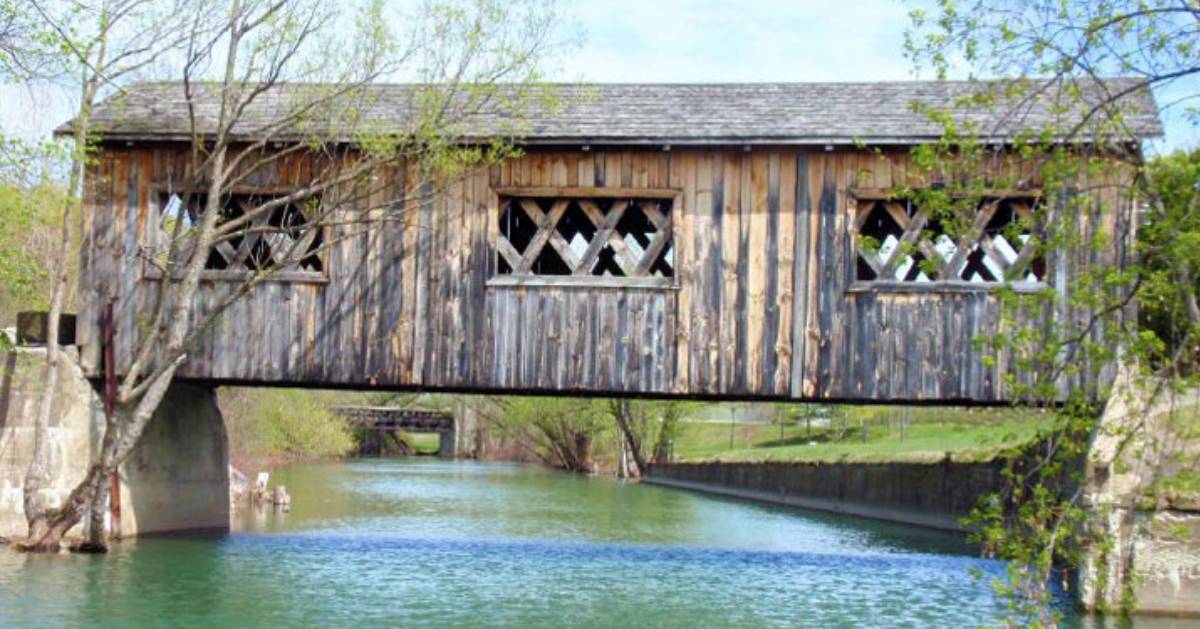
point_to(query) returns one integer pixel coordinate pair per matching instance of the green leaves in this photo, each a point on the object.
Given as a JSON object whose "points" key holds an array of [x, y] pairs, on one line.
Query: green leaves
{"points": [[30, 216]]}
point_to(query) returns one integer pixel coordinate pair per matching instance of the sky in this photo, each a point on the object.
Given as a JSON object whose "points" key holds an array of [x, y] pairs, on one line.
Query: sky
{"points": [[701, 41]]}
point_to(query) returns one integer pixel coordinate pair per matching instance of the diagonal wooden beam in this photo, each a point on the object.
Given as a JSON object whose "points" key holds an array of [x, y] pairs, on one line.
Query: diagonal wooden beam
{"points": [[661, 238], [509, 252], [653, 211], [1024, 257], [879, 266], [227, 251], [545, 228], [911, 235], [899, 213], [966, 241], [605, 224], [564, 249], [622, 255]]}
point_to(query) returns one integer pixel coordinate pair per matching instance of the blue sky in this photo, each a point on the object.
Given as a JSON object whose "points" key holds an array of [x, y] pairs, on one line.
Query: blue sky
{"points": [[769, 40], [706, 41]]}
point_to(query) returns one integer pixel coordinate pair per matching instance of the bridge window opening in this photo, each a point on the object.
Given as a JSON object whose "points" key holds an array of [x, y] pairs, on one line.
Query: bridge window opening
{"points": [[896, 241], [598, 237], [282, 239]]}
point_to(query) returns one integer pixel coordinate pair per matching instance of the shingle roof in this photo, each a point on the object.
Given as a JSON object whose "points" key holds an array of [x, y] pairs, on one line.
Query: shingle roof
{"points": [[742, 113]]}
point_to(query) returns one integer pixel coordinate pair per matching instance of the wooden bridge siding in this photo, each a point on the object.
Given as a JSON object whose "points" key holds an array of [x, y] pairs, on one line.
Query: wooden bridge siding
{"points": [[881, 345], [408, 305]]}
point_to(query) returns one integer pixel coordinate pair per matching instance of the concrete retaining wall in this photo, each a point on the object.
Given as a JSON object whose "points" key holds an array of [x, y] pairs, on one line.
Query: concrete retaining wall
{"points": [[177, 478], [936, 495]]}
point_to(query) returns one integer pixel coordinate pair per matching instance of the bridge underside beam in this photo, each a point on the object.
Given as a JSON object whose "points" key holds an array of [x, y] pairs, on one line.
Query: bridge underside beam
{"points": [[600, 393]]}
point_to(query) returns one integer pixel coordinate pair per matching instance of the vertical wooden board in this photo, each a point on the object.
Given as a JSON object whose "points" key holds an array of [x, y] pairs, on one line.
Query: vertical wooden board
{"points": [[801, 272], [599, 168], [853, 383], [704, 243], [86, 327], [614, 314], [387, 274], [828, 297], [498, 372], [474, 275], [562, 168], [517, 340], [661, 170], [461, 284], [535, 340], [588, 357], [730, 267], [770, 332], [366, 304], [575, 341], [647, 347], [612, 169], [628, 318], [756, 306], [585, 175], [639, 170], [422, 286], [680, 164], [814, 274], [741, 352], [785, 263], [130, 319], [543, 313]]}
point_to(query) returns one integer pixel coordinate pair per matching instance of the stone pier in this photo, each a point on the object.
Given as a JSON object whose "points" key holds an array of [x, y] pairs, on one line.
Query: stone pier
{"points": [[177, 479], [1143, 491]]}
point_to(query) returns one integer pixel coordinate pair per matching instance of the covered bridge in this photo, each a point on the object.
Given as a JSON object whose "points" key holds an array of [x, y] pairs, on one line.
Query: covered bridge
{"points": [[690, 240]]}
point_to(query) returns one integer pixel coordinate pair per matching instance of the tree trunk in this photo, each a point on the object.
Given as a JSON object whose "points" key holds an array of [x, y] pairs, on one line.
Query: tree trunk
{"points": [[53, 526], [623, 411]]}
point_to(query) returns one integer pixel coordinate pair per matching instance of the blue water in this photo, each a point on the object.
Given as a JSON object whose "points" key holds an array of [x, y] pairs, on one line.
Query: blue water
{"points": [[394, 543]]}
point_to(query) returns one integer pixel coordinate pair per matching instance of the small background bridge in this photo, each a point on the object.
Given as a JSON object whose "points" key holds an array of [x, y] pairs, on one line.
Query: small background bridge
{"points": [[381, 422]]}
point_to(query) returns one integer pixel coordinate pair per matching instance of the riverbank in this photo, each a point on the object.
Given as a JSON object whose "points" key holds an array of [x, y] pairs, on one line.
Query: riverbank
{"points": [[934, 495], [879, 434]]}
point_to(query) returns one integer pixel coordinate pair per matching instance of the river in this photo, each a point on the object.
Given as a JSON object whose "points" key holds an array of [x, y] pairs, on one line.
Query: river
{"points": [[395, 542]]}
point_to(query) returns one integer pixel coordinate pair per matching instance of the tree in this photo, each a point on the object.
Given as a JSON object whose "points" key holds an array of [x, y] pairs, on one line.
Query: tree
{"points": [[97, 46], [320, 61], [1090, 162], [648, 429], [558, 431]]}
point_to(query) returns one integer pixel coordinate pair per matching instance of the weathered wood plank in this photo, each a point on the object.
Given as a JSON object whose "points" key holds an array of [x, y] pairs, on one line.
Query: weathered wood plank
{"points": [[763, 301]]}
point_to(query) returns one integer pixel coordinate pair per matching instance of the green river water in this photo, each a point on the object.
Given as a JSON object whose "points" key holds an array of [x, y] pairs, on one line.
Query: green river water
{"points": [[433, 543]]}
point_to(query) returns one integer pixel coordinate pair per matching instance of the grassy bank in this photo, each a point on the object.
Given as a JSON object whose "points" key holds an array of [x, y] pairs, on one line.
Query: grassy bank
{"points": [[864, 434]]}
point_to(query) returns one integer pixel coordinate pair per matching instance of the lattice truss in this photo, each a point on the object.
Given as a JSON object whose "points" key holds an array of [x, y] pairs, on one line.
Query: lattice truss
{"points": [[585, 236], [280, 240], [898, 241]]}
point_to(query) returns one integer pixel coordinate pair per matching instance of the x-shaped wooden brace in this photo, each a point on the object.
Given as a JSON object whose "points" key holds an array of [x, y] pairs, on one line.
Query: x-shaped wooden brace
{"points": [[278, 243], [910, 228], [912, 233], [606, 234]]}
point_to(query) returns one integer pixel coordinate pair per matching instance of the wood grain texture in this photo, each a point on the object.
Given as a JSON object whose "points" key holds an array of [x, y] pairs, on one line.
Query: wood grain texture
{"points": [[762, 304]]}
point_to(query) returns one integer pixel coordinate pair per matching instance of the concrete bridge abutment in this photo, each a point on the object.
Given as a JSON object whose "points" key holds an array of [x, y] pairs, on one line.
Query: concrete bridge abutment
{"points": [[176, 480]]}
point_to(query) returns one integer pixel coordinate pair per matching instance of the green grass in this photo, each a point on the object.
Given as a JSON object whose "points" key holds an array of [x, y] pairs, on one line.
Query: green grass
{"points": [[932, 435], [423, 442]]}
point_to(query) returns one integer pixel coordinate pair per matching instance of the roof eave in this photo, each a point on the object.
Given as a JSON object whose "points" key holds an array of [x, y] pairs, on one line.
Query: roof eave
{"points": [[643, 141]]}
